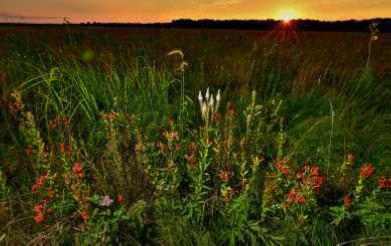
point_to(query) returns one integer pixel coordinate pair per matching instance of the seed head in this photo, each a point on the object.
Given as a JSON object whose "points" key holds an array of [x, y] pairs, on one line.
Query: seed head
{"points": [[211, 102], [218, 97], [204, 109]]}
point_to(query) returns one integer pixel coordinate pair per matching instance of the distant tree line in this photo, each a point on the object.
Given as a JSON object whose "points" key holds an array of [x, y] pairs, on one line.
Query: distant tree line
{"points": [[270, 24]]}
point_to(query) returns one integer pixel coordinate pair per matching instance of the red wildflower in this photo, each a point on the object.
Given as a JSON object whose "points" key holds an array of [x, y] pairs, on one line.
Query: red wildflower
{"points": [[35, 188], [347, 201], [224, 176], [317, 182], [85, 215], [178, 147], [50, 211], [229, 193], [175, 135], [62, 148], [39, 217], [192, 146], [295, 196], [28, 151], [40, 181], [120, 199], [281, 168], [77, 169], [68, 149], [160, 145], [366, 170], [192, 158], [351, 157], [382, 182], [38, 208]]}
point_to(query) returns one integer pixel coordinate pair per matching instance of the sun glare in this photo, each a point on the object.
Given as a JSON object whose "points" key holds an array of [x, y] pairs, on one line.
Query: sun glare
{"points": [[286, 17]]}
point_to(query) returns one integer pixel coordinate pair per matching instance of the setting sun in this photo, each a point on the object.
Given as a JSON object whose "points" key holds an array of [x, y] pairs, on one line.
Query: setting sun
{"points": [[286, 16]]}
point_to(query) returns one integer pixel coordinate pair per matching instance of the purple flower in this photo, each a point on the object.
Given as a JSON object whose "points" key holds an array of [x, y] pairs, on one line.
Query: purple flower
{"points": [[106, 201]]}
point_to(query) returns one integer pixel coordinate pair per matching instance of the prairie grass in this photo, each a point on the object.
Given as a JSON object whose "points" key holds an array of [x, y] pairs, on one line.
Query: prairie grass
{"points": [[105, 139]]}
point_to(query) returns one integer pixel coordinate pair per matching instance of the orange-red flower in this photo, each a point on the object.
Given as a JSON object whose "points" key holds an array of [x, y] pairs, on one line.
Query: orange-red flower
{"points": [[41, 180], [192, 159], [28, 151], [85, 215], [382, 182], [62, 148], [39, 217], [77, 169], [281, 168], [351, 157], [347, 201], [224, 176], [366, 171], [295, 196], [120, 199], [38, 208]]}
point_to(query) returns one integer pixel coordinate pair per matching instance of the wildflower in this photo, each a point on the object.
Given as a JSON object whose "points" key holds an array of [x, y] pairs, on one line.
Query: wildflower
{"points": [[166, 135], [366, 170], [85, 215], [161, 146], [192, 146], [295, 196], [120, 199], [77, 169], [39, 217], [218, 99], [174, 135], [382, 183], [109, 116], [62, 148], [106, 201], [40, 181], [192, 158], [28, 151], [211, 102], [200, 98], [224, 176], [170, 121], [229, 193], [230, 112], [35, 188], [351, 157], [281, 168], [207, 94], [347, 201], [50, 211], [38, 208], [317, 183]]}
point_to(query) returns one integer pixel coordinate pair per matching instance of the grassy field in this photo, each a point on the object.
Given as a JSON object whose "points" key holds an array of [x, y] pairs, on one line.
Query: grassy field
{"points": [[194, 137]]}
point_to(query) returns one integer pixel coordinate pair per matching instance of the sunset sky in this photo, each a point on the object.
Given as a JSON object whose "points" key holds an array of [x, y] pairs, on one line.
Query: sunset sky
{"points": [[166, 10]]}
